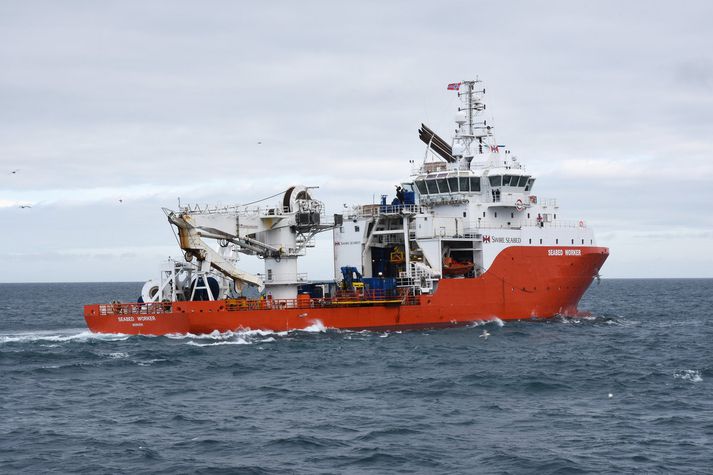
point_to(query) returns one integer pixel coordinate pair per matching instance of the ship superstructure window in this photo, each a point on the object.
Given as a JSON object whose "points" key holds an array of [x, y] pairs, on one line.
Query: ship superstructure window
{"points": [[356, 229], [496, 180], [463, 181], [443, 185], [432, 187], [475, 183], [523, 181], [453, 184], [421, 187], [530, 183]]}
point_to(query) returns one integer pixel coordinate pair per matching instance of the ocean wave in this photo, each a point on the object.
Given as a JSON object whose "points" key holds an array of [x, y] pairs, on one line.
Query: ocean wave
{"points": [[239, 341], [60, 336], [692, 375], [492, 321]]}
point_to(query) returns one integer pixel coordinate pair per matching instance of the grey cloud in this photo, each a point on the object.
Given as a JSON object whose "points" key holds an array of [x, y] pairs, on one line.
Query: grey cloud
{"points": [[175, 96]]}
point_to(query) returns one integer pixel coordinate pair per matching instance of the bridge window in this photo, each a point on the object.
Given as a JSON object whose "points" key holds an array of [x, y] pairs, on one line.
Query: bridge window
{"points": [[421, 187], [432, 187], [496, 180], [453, 183], [523, 181], [443, 185], [530, 183], [506, 180], [475, 183], [463, 183]]}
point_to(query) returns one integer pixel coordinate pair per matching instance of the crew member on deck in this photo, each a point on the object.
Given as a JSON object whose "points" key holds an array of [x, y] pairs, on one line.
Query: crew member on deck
{"points": [[400, 195]]}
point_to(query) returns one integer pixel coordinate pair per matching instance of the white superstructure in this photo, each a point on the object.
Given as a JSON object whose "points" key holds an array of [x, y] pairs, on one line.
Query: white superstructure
{"points": [[468, 201]]}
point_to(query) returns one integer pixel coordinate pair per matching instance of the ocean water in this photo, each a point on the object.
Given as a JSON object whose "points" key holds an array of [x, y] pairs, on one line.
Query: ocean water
{"points": [[627, 390]]}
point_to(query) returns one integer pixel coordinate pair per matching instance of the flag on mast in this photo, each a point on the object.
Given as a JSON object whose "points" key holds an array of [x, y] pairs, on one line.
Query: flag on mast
{"points": [[454, 86]]}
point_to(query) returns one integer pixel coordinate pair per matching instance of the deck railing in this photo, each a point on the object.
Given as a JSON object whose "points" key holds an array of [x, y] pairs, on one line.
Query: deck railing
{"points": [[135, 308], [342, 299]]}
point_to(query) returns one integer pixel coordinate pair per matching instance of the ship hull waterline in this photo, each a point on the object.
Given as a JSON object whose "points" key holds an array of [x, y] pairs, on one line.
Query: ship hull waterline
{"points": [[524, 282]]}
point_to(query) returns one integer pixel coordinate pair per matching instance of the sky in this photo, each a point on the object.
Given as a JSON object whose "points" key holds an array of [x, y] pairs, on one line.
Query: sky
{"points": [[609, 104]]}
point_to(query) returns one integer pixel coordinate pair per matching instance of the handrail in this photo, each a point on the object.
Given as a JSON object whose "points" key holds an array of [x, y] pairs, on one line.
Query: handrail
{"points": [[117, 308], [343, 298]]}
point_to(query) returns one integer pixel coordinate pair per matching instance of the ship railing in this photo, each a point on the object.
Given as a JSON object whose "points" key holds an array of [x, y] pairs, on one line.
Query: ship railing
{"points": [[378, 210], [242, 210], [341, 299], [284, 277], [135, 308], [480, 225]]}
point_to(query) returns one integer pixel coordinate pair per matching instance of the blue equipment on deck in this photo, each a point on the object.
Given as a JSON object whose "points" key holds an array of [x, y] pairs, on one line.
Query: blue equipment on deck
{"points": [[351, 275]]}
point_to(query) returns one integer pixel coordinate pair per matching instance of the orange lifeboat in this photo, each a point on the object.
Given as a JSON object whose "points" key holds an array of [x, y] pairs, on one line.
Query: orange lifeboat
{"points": [[454, 268]]}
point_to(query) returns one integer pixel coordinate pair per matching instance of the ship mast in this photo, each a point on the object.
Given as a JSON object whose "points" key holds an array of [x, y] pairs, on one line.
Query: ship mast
{"points": [[470, 127]]}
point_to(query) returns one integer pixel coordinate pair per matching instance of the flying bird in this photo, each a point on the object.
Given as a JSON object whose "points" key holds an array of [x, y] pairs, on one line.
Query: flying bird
{"points": [[484, 335], [121, 201], [25, 206], [13, 172]]}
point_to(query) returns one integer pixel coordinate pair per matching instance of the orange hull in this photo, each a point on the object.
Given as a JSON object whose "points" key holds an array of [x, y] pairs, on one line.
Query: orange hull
{"points": [[523, 282]]}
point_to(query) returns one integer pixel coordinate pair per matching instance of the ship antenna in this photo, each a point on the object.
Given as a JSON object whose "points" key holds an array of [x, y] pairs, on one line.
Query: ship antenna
{"points": [[469, 85]]}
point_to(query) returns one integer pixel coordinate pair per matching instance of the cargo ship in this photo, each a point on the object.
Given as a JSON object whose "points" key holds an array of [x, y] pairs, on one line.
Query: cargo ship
{"points": [[464, 239]]}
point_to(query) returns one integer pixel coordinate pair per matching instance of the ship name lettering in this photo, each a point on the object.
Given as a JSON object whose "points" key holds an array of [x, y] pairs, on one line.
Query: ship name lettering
{"points": [[504, 240], [573, 252], [555, 252], [126, 319], [149, 318], [347, 243]]}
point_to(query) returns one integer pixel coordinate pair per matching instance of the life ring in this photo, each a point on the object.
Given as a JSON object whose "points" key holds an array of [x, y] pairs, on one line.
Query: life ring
{"points": [[581, 224], [519, 205]]}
